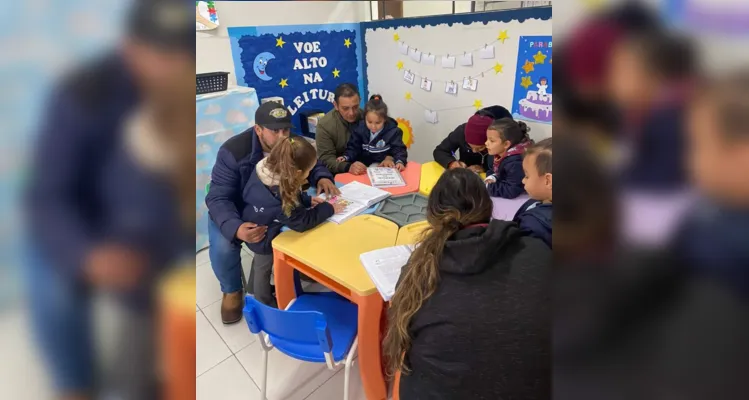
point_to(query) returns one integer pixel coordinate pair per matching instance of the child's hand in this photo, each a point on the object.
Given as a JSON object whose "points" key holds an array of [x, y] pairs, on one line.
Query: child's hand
{"points": [[476, 168], [341, 159], [400, 167], [388, 163], [357, 168], [339, 206], [317, 200], [490, 179]]}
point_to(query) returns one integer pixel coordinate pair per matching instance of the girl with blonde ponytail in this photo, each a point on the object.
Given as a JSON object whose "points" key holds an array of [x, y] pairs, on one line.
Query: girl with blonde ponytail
{"points": [[470, 315], [274, 198]]}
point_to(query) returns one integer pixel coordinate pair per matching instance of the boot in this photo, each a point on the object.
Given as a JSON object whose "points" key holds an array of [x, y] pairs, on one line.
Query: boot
{"points": [[231, 307]]}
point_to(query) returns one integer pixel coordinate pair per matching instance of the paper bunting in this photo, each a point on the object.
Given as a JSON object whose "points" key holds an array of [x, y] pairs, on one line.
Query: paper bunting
{"points": [[426, 84], [409, 76], [448, 62], [414, 54], [431, 116], [466, 60], [501, 38], [428, 59], [403, 48], [451, 88], [470, 84], [487, 52]]}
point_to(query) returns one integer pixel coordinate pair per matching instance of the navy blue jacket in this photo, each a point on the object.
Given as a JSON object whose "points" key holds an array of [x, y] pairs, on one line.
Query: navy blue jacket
{"points": [[535, 222], [85, 189], [235, 162], [389, 142], [264, 207], [509, 178], [658, 151]]}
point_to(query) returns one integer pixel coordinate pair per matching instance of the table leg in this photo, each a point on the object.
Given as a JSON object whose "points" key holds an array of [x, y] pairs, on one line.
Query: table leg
{"points": [[370, 345], [283, 276]]}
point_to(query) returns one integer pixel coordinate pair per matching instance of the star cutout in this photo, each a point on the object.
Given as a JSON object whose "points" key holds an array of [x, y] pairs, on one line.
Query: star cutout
{"points": [[283, 83], [525, 82], [503, 36], [280, 42], [527, 67], [396, 37], [477, 104], [336, 72], [399, 65], [408, 95], [498, 68], [539, 57], [347, 43]]}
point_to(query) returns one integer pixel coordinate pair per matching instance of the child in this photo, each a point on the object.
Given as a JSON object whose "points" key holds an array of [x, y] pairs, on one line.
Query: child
{"points": [[376, 140], [506, 140], [534, 216], [436, 334], [274, 198]]}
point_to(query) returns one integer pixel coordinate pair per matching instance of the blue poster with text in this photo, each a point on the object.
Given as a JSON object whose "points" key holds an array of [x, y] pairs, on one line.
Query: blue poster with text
{"points": [[301, 68], [531, 100]]}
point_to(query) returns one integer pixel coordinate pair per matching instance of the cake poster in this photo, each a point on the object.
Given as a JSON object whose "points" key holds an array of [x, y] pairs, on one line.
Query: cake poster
{"points": [[533, 87], [300, 68]]}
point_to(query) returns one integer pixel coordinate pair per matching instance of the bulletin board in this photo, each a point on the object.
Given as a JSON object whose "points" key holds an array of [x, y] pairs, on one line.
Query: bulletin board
{"points": [[435, 72], [298, 65]]}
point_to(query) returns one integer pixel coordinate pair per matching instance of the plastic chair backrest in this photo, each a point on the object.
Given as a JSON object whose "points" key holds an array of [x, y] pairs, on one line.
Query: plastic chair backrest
{"points": [[303, 327]]}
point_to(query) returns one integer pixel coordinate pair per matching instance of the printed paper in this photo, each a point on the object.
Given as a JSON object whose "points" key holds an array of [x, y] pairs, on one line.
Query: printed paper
{"points": [[448, 62]]}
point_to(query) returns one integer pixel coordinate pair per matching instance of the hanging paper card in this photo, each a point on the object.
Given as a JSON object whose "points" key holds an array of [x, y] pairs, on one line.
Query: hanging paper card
{"points": [[403, 47], [466, 59], [409, 76], [451, 88], [448, 62], [415, 54], [487, 52], [426, 84], [428, 59], [470, 84], [431, 116]]}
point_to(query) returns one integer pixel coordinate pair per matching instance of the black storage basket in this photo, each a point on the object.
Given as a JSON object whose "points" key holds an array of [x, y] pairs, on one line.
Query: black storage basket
{"points": [[211, 82]]}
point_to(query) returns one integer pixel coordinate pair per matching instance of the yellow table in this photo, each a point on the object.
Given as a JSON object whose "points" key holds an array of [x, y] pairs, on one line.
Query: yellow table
{"points": [[329, 254], [430, 174], [410, 234]]}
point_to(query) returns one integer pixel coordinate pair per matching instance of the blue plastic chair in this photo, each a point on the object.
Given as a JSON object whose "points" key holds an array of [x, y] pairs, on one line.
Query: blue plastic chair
{"points": [[312, 328]]}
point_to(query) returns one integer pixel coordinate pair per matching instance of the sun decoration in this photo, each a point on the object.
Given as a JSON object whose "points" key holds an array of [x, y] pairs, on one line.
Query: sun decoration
{"points": [[408, 136]]}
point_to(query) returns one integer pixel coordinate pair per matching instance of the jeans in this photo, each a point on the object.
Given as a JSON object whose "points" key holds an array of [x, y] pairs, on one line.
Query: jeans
{"points": [[226, 259], [262, 268]]}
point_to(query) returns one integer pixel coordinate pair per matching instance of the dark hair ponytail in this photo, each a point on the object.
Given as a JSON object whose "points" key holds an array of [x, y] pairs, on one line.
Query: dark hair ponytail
{"points": [[459, 199], [377, 106], [510, 130]]}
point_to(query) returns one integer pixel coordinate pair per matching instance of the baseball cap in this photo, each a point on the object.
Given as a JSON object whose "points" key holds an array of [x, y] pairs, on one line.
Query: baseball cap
{"points": [[273, 115], [166, 24]]}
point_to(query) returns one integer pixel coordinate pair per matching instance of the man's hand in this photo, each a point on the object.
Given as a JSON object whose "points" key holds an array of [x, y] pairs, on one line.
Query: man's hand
{"points": [[387, 163], [358, 168], [250, 232], [328, 187], [476, 168], [341, 159], [115, 267], [400, 167], [456, 164]]}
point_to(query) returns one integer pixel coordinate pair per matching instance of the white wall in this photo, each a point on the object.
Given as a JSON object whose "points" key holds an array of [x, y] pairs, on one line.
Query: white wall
{"points": [[213, 48], [384, 78]]}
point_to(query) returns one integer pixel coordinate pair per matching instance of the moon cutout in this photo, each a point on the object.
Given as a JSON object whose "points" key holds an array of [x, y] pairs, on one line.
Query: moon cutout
{"points": [[261, 63]]}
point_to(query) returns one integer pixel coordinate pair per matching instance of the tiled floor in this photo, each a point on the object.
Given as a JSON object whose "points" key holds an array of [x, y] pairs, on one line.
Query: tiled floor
{"points": [[229, 357]]}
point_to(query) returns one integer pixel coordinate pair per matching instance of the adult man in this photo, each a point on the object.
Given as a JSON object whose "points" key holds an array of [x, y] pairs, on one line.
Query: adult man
{"points": [[334, 129], [235, 162], [469, 139]]}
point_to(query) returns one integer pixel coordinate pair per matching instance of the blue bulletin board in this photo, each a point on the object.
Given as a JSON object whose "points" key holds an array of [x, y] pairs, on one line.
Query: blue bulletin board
{"points": [[300, 65], [532, 96]]}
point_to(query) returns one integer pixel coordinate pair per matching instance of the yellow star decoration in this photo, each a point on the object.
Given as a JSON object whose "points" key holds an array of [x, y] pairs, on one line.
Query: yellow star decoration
{"points": [[477, 104], [503, 36], [400, 65], [283, 83], [498, 68], [408, 95], [527, 67], [347, 43], [280, 42], [539, 57], [525, 82], [396, 37], [336, 72]]}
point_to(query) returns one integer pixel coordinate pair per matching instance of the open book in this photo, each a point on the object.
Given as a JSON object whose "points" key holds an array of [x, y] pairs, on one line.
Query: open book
{"points": [[357, 197], [385, 177], [384, 267]]}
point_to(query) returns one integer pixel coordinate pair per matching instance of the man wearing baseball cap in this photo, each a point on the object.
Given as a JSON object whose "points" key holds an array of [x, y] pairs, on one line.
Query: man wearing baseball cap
{"points": [[468, 140], [235, 162]]}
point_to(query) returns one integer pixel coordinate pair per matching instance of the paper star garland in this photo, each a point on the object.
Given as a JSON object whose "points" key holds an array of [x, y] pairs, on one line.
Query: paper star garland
{"points": [[399, 65], [408, 95], [498, 68], [477, 104], [503, 36], [396, 37]]}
